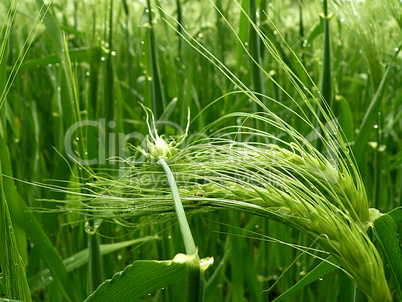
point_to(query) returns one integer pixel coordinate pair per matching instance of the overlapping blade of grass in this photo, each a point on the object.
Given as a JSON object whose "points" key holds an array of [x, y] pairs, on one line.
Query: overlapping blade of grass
{"points": [[44, 278], [95, 260], [15, 202], [9, 191], [12, 265], [255, 52], [157, 96], [243, 267], [54, 32], [326, 73], [50, 255], [71, 115], [5, 32], [386, 231], [34, 232], [369, 119], [319, 271]]}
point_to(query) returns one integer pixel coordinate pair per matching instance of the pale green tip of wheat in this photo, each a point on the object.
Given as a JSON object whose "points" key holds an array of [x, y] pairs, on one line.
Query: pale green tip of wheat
{"points": [[159, 147]]}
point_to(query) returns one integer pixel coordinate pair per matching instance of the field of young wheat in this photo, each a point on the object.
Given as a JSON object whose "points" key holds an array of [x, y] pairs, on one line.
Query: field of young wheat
{"points": [[201, 150]]}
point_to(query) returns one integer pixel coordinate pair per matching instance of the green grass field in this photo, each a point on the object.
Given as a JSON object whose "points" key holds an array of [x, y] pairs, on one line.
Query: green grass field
{"points": [[222, 150]]}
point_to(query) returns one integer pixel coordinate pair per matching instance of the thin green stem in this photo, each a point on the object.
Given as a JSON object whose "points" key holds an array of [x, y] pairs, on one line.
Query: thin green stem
{"points": [[255, 51], [181, 216], [158, 101], [326, 74]]}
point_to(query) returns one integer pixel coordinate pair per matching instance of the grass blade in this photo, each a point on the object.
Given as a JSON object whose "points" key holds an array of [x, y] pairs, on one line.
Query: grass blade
{"points": [[49, 255], [243, 27], [386, 231], [12, 265], [13, 197], [326, 73], [255, 51], [345, 117], [371, 115], [326, 76], [396, 215], [319, 271], [158, 101], [141, 278], [95, 262], [55, 34], [77, 260]]}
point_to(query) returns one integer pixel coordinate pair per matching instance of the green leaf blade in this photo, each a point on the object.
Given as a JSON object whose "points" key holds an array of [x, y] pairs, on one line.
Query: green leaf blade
{"points": [[12, 265], [387, 233], [139, 279]]}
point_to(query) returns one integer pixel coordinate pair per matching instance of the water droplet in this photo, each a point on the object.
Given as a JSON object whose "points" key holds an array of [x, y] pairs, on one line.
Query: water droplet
{"points": [[113, 53], [50, 65], [200, 35], [396, 48], [87, 73], [320, 279], [342, 20], [103, 58], [375, 126]]}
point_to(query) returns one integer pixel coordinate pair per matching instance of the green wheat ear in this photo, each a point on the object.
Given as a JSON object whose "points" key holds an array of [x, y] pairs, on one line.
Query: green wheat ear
{"points": [[298, 190]]}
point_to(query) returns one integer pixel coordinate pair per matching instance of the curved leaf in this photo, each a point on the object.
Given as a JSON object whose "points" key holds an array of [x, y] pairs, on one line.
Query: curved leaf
{"points": [[139, 279]]}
